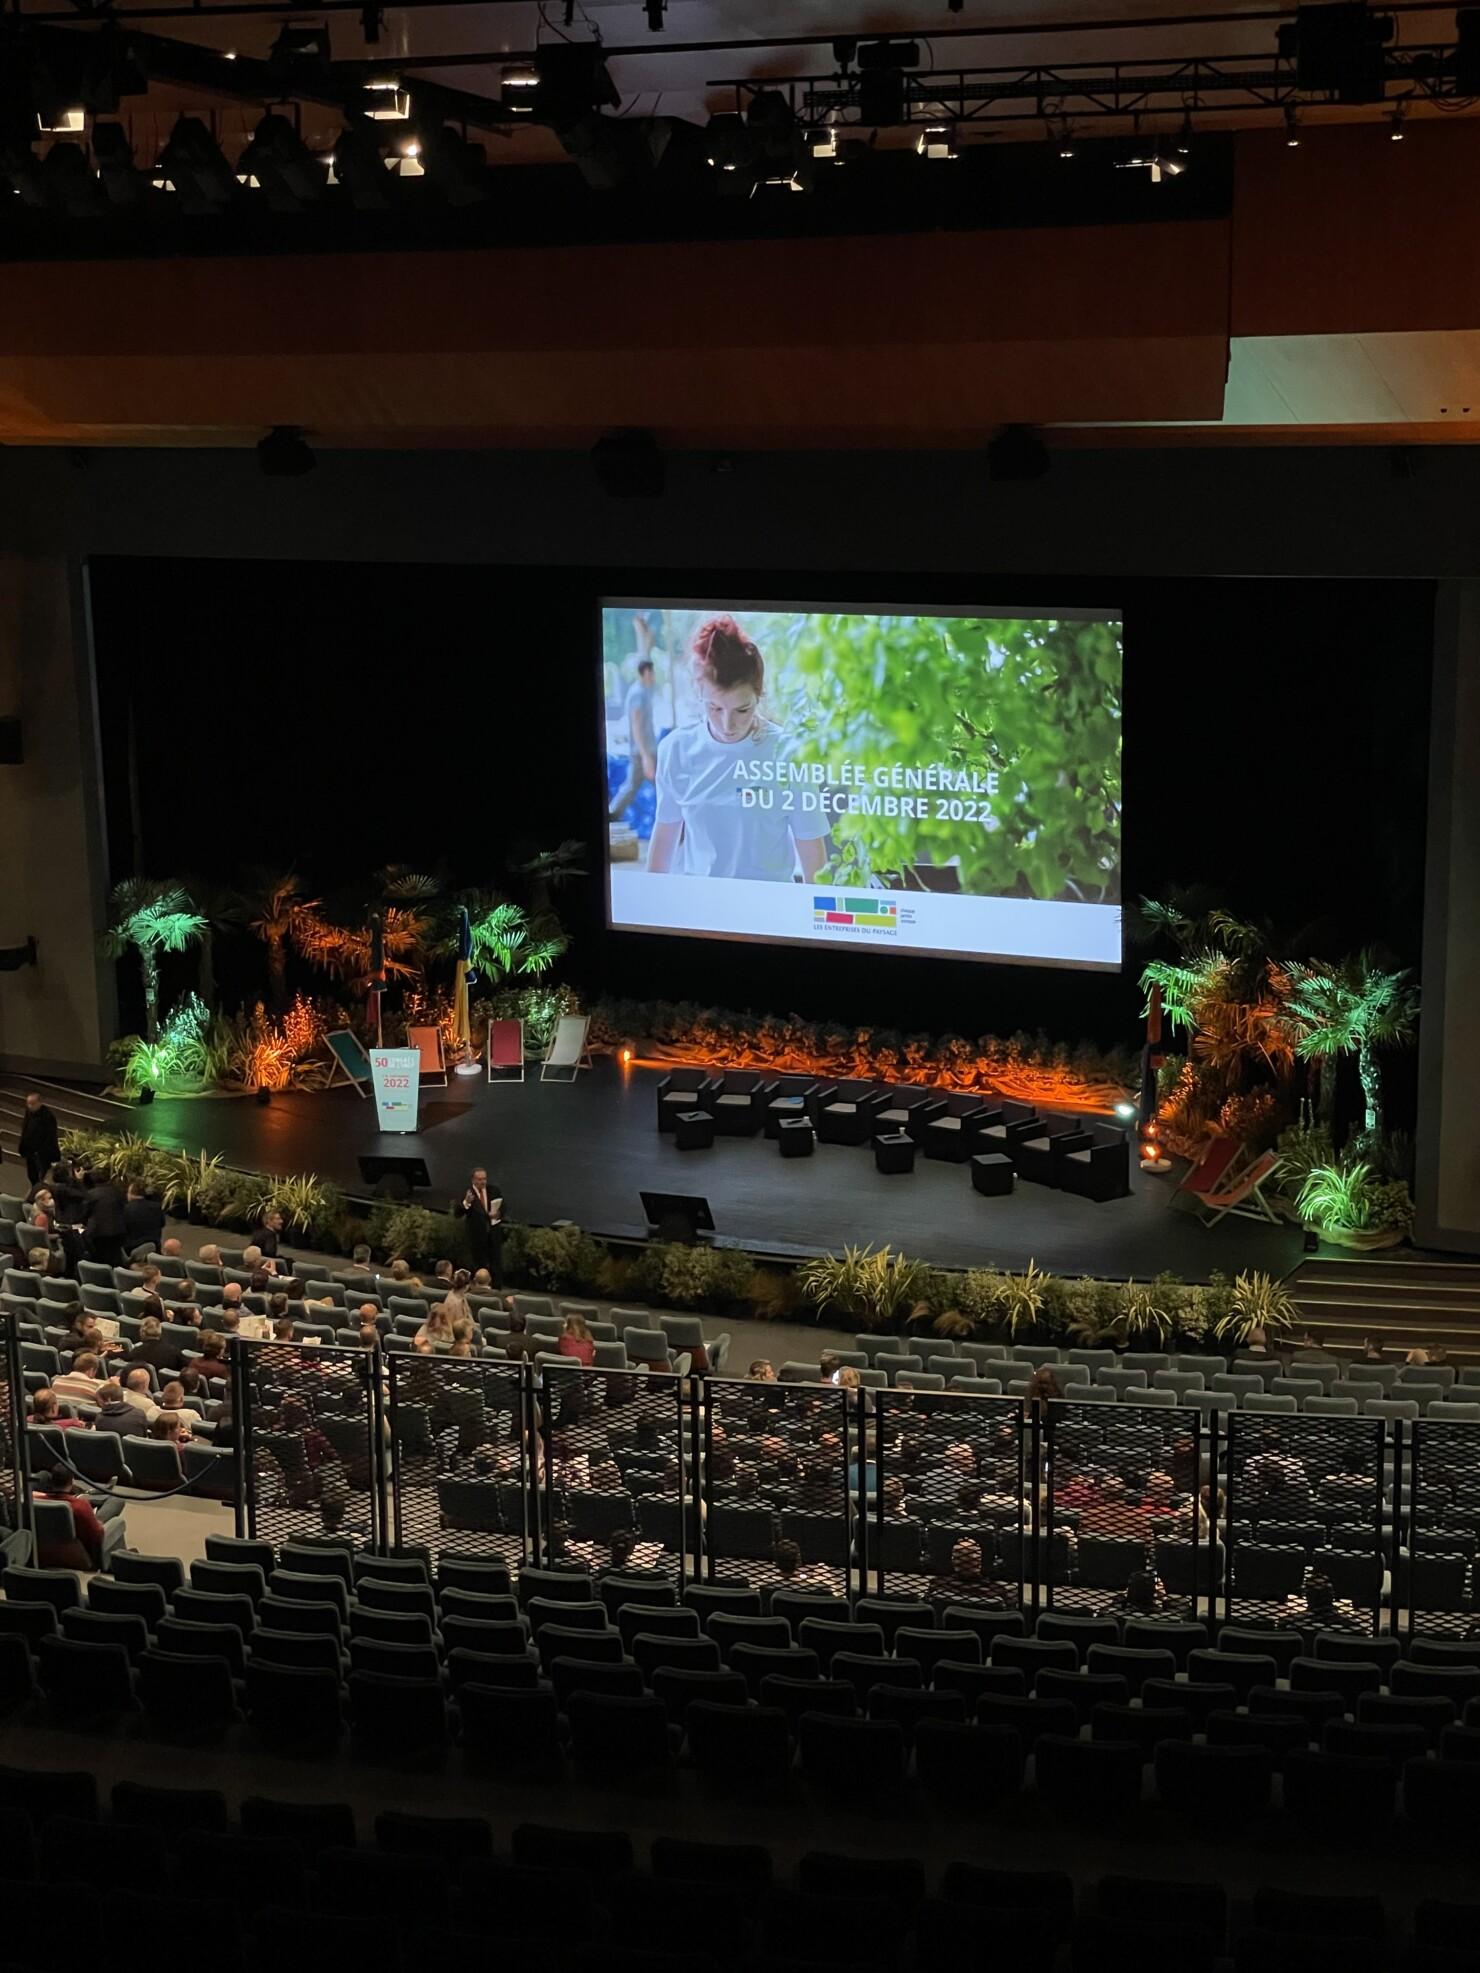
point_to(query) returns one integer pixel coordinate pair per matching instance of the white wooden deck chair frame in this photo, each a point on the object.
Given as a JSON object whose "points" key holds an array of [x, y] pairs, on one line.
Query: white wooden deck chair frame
{"points": [[503, 1072], [360, 1084], [568, 1052], [1244, 1196], [434, 1077]]}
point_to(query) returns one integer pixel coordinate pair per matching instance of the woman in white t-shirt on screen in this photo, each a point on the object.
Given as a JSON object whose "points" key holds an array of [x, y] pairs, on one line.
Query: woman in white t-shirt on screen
{"points": [[704, 828]]}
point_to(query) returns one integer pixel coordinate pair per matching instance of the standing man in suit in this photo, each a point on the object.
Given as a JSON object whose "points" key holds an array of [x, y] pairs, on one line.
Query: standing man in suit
{"points": [[483, 1208], [272, 1233], [40, 1145], [104, 1223]]}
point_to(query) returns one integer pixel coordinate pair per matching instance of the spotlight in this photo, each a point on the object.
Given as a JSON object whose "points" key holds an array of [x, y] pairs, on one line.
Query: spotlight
{"points": [[626, 1057], [1338, 50], [61, 123], [572, 79], [1125, 1111], [937, 142], [629, 465], [609, 151], [283, 165], [191, 163], [301, 48], [730, 152], [146, 1093], [264, 1094], [1292, 127], [517, 84], [777, 144], [822, 144], [386, 101], [1156, 164], [1184, 137], [655, 12], [1017, 453], [1066, 145], [284, 453], [1395, 124]]}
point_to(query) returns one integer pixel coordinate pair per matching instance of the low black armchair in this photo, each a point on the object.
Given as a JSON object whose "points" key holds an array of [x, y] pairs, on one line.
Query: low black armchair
{"points": [[683, 1089], [1099, 1168], [1037, 1157], [739, 1102]]}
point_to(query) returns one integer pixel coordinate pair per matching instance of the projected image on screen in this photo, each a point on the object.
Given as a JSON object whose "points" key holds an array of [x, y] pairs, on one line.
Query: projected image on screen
{"points": [[930, 784]]}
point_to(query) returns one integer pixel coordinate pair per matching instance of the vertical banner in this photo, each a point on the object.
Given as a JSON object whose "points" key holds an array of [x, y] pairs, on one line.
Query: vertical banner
{"points": [[395, 1076]]}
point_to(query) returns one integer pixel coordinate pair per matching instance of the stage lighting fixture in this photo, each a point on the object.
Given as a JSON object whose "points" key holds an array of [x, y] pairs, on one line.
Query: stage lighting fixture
{"points": [[822, 144], [283, 165], [1015, 455], [655, 12], [629, 465], [191, 163], [881, 80], [372, 20], [457, 168], [301, 48], [517, 83], [727, 142], [1395, 124], [63, 181], [1065, 143], [1337, 50], [887, 55], [1125, 1111], [123, 183], [360, 167], [386, 100], [146, 1093], [572, 79], [1292, 127], [610, 151], [776, 141], [1157, 164], [62, 123], [1184, 137], [284, 453], [937, 142]]}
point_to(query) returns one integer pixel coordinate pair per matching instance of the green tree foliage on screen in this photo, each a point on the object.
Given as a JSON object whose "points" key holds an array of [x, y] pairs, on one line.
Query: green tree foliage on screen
{"points": [[1037, 701]]}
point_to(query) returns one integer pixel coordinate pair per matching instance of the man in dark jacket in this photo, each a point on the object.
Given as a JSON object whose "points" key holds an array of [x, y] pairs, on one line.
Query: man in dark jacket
{"points": [[40, 1146], [143, 1221], [103, 1220]]}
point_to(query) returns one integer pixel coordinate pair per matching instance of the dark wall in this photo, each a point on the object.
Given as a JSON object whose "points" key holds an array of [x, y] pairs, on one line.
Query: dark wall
{"points": [[338, 716]]}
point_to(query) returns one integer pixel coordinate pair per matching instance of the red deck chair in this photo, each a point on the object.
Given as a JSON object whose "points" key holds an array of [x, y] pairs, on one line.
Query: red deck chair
{"points": [[504, 1055]]}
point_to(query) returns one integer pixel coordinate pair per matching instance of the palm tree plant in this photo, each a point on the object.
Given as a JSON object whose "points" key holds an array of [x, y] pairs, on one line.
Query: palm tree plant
{"points": [[506, 942], [149, 917], [282, 917], [1353, 1008], [221, 909], [549, 869]]}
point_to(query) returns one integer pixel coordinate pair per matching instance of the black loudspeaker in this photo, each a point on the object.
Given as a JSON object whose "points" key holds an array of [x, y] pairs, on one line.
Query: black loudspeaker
{"points": [[10, 743], [393, 1178], [677, 1215]]}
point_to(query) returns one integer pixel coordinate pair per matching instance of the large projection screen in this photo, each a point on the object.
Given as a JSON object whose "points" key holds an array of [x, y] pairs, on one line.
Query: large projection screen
{"points": [[931, 783]]}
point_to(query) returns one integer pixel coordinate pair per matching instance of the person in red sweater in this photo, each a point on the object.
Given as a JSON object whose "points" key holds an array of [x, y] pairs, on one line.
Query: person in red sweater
{"points": [[577, 1341], [60, 1485]]}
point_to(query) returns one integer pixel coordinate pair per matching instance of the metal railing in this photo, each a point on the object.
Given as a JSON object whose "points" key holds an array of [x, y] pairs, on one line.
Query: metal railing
{"points": [[16, 1513], [1367, 1525]]}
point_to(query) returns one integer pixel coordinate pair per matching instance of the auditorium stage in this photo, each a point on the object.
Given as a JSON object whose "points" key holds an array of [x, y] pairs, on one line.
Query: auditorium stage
{"points": [[584, 1151]]}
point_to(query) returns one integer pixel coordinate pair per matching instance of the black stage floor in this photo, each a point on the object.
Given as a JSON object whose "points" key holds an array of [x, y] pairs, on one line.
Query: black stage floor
{"points": [[583, 1151]]}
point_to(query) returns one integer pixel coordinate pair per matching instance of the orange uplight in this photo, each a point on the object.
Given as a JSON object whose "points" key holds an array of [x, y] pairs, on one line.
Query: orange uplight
{"points": [[626, 1056]]}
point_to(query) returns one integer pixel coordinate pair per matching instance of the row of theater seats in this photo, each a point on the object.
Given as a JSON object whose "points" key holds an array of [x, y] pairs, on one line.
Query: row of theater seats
{"points": [[627, 1683], [288, 1880]]}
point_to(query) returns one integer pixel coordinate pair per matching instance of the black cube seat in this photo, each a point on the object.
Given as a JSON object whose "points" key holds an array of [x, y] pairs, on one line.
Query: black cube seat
{"points": [[992, 1174], [685, 1089], [796, 1138], [894, 1151], [784, 1109], [693, 1130], [843, 1123]]}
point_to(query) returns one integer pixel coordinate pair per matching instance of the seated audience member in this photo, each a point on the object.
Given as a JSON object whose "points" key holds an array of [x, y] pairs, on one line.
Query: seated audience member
{"points": [[436, 1329], [231, 1295], [443, 1272], [1317, 1607], [1417, 1360], [172, 1401], [80, 1384], [1158, 1497], [1372, 1350], [361, 1257], [209, 1256], [152, 1347], [251, 1259], [482, 1281], [172, 1249], [455, 1301], [461, 1347], [274, 1232], [762, 1371], [230, 1321], [138, 1389], [47, 1410], [184, 1291], [83, 1333], [211, 1363], [828, 1366], [88, 1529], [261, 1282], [118, 1413], [966, 1582], [150, 1282], [577, 1341], [1144, 1595], [518, 1343], [192, 1383], [282, 1329]]}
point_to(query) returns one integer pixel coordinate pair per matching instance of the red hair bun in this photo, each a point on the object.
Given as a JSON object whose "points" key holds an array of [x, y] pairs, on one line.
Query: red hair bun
{"points": [[725, 656]]}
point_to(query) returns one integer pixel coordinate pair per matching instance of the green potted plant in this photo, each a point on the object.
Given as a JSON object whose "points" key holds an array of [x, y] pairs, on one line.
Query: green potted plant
{"points": [[1351, 1206]]}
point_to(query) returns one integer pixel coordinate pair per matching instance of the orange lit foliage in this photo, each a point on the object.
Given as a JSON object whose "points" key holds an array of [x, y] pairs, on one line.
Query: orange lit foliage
{"points": [[1023, 1068]]}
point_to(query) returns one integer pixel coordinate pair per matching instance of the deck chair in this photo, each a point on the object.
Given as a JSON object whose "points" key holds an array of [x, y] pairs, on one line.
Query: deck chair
{"points": [[433, 1066], [503, 1056], [1222, 1161], [1242, 1195], [568, 1052], [351, 1063]]}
